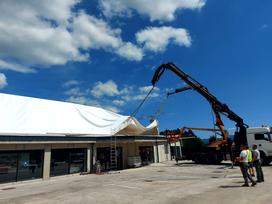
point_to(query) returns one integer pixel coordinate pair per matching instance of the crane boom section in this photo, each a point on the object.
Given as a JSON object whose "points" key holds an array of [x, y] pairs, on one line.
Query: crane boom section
{"points": [[216, 104]]}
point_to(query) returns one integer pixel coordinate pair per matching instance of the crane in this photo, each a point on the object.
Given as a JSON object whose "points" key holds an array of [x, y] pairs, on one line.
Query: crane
{"points": [[217, 106]]}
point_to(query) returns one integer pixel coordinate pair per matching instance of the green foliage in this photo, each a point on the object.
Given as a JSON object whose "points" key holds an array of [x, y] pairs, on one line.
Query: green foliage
{"points": [[191, 146], [191, 143], [170, 132], [212, 139]]}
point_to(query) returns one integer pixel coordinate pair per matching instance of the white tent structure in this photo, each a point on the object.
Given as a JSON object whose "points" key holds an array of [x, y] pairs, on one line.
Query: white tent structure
{"points": [[21, 115]]}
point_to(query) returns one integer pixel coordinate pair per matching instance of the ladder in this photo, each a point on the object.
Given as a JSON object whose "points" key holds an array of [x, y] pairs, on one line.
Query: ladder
{"points": [[113, 154]]}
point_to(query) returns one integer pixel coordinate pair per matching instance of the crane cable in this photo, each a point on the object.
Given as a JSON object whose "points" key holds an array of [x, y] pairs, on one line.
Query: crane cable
{"points": [[140, 105], [157, 114]]}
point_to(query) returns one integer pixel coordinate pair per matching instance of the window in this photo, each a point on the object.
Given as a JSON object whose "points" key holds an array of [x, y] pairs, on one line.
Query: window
{"points": [[147, 155], [29, 165], [67, 161], [8, 166], [103, 156], [20, 165], [265, 136]]}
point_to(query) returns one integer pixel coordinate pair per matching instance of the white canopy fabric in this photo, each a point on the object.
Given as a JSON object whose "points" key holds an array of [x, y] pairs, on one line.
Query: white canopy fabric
{"points": [[26, 115]]}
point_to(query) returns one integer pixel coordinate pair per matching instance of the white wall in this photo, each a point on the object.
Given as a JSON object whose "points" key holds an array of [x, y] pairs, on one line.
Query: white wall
{"points": [[163, 152]]}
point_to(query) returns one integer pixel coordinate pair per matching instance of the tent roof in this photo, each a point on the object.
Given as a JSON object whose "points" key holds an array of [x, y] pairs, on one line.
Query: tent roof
{"points": [[26, 115]]}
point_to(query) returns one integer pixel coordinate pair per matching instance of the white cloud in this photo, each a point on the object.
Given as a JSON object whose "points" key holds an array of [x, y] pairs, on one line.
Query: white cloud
{"points": [[108, 88], [127, 98], [142, 96], [108, 95], [90, 102], [35, 32], [74, 92], [118, 102], [48, 32], [112, 108], [70, 83], [90, 32], [15, 67], [3, 81], [157, 38], [83, 100], [126, 90], [146, 89], [39, 34], [163, 10], [140, 93], [130, 52]]}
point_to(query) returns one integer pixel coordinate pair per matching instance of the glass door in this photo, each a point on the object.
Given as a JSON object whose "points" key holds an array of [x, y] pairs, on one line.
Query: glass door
{"points": [[8, 167], [77, 161], [29, 165]]}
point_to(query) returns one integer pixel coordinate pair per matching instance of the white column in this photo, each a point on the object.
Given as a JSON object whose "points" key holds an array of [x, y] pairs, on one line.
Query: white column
{"points": [[46, 162], [180, 147], [89, 158], [156, 153], [94, 151]]}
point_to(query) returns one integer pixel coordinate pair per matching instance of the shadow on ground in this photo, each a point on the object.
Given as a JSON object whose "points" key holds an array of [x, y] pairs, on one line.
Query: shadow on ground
{"points": [[231, 186]]}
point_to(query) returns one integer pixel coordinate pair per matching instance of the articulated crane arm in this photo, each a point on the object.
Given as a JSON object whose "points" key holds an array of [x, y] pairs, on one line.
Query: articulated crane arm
{"points": [[217, 106]]}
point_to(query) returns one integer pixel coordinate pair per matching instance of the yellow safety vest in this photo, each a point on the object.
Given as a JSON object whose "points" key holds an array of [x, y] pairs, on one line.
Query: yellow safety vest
{"points": [[249, 155]]}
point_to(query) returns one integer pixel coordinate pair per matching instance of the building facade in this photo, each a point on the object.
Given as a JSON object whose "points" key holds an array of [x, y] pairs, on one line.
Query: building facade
{"points": [[42, 138], [41, 157]]}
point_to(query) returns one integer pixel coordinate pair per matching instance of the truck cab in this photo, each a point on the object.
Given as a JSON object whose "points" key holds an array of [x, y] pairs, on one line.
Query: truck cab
{"points": [[262, 137]]}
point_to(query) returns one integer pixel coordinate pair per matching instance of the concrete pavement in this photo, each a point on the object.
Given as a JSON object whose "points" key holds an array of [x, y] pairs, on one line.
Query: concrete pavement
{"points": [[186, 183]]}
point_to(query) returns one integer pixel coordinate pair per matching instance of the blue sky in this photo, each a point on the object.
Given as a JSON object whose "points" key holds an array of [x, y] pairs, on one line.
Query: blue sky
{"points": [[104, 53]]}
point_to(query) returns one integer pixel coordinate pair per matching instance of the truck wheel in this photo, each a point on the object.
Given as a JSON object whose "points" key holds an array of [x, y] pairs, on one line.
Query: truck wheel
{"points": [[197, 158], [219, 158]]}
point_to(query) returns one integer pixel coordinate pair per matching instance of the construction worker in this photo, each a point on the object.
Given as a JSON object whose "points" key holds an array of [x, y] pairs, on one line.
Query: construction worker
{"points": [[257, 163], [250, 162], [243, 159]]}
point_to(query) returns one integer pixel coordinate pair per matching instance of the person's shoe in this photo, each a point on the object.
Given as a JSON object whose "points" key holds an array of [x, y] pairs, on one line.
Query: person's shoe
{"points": [[245, 185], [258, 181], [253, 184]]}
